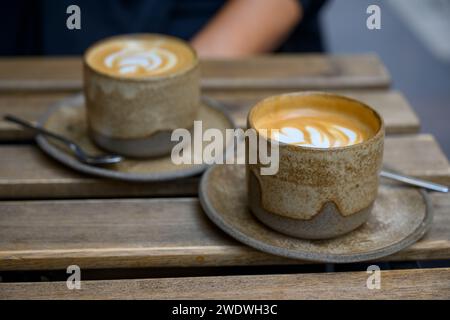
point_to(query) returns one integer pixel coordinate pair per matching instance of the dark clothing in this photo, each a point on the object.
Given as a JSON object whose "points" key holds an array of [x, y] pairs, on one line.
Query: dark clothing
{"points": [[35, 27]]}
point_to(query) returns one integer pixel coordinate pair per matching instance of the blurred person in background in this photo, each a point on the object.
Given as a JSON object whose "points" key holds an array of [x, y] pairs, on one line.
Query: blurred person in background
{"points": [[216, 28]]}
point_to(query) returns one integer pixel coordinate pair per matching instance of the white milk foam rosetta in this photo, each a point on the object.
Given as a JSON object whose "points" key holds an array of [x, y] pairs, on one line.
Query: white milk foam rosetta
{"points": [[329, 136], [136, 57], [315, 128]]}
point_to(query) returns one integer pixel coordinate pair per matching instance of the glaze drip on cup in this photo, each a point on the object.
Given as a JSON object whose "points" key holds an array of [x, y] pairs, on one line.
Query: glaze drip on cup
{"points": [[141, 57]]}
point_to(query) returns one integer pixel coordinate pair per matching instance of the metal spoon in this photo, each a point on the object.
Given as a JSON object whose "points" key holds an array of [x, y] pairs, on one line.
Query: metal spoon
{"points": [[76, 149], [414, 181]]}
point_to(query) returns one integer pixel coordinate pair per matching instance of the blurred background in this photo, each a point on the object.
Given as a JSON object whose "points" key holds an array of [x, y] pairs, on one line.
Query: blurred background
{"points": [[414, 44]]}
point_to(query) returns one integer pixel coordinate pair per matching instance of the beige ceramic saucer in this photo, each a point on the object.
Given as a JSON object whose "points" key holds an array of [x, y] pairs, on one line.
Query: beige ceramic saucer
{"points": [[68, 119], [400, 217]]}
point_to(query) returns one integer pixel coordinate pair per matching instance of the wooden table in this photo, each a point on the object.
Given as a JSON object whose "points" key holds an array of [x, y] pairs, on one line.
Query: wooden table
{"points": [[52, 217]]}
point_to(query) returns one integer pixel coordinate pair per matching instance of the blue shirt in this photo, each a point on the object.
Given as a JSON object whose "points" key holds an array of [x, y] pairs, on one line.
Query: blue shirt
{"points": [[33, 27]]}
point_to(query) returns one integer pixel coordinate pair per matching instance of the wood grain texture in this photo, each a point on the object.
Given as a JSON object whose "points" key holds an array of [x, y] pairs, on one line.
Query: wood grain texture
{"points": [[137, 233], [280, 71], [308, 71], [417, 155], [398, 115], [40, 74], [27, 173], [29, 106], [395, 284]]}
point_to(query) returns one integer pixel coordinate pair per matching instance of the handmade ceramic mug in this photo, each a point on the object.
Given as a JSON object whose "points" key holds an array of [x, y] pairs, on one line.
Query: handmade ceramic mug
{"points": [[330, 155], [138, 89]]}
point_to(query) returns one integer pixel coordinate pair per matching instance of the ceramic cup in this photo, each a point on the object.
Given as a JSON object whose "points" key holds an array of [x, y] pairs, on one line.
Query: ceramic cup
{"points": [[138, 89], [318, 192]]}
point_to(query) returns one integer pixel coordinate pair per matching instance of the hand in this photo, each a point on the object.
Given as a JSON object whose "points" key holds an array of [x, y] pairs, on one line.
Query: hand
{"points": [[247, 27]]}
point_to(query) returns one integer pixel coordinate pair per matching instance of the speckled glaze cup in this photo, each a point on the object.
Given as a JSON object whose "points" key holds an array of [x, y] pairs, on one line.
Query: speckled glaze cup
{"points": [[317, 193], [135, 116]]}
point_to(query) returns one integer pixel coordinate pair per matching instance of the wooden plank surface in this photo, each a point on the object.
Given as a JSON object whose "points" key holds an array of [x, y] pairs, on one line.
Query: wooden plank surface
{"points": [[137, 233], [25, 74], [398, 115], [307, 71], [29, 106], [27, 173], [280, 71], [395, 284]]}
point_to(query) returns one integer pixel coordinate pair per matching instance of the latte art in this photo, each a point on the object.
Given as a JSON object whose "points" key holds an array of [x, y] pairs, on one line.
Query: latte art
{"points": [[314, 128], [136, 59], [318, 136], [141, 57]]}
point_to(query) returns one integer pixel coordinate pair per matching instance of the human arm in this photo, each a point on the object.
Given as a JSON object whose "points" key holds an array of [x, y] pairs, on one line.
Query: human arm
{"points": [[247, 27]]}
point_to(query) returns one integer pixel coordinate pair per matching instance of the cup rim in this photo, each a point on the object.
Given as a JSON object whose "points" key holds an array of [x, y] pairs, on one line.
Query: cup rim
{"points": [[140, 79], [376, 136]]}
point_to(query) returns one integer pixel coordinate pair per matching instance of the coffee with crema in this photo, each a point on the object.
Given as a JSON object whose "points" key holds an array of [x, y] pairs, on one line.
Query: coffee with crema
{"points": [[309, 127], [141, 57], [138, 89], [315, 125], [329, 163]]}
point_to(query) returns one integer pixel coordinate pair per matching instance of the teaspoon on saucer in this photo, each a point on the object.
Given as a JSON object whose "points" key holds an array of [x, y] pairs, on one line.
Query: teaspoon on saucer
{"points": [[79, 153], [414, 181]]}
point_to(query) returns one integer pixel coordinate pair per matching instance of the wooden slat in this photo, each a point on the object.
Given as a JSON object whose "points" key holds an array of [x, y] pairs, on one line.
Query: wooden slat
{"points": [[395, 284], [27, 106], [40, 74], [281, 71], [398, 114], [296, 72], [136, 233], [26, 172], [417, 155]]}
